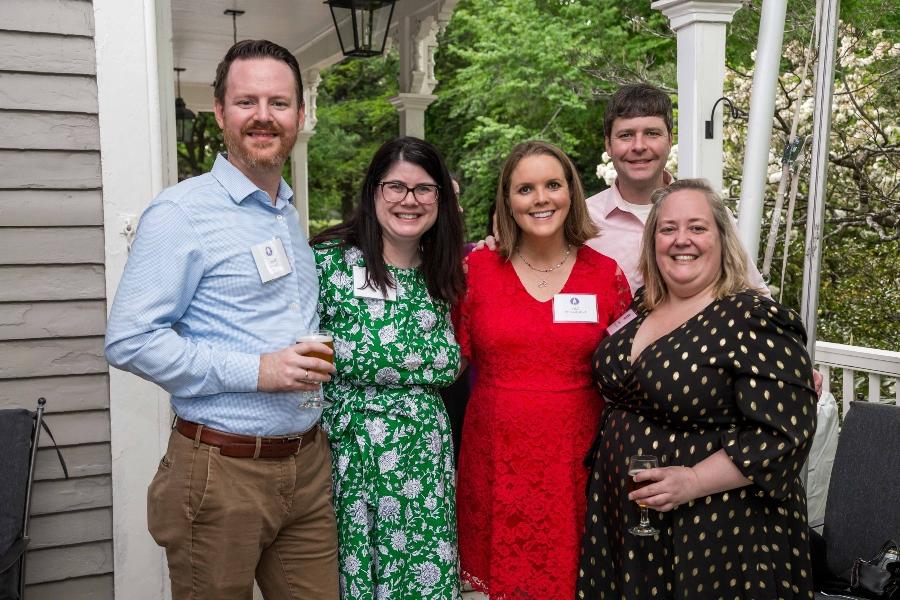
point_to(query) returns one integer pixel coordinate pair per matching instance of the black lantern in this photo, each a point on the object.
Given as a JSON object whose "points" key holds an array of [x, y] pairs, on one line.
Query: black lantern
{"points": [[362, 25], [184, 117]]}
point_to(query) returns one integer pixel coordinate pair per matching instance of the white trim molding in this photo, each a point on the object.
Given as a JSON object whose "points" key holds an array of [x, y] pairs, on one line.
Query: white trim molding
{"points": [[135, 95]]}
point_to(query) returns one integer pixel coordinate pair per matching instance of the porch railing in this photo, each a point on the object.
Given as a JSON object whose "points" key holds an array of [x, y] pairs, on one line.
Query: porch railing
{"points": [[880, 367]]}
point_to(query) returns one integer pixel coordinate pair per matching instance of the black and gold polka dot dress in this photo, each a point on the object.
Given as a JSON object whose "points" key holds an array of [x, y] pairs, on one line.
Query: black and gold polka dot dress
{"points": [[735, 376]]}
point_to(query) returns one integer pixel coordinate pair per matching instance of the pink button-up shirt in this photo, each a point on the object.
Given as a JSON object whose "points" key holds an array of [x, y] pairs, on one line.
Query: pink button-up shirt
{"points": [[621, 232]]}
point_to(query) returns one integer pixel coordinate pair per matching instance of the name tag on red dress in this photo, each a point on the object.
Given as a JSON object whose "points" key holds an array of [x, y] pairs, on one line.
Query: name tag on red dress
{"points": [[575, 308]]}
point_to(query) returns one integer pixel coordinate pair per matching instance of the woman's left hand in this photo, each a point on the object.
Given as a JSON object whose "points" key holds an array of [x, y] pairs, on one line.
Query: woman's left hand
{"points": [[671, 486]]}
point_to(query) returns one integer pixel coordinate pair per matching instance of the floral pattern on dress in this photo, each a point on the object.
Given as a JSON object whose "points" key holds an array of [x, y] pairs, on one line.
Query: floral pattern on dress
{"points": [[394, 489]]}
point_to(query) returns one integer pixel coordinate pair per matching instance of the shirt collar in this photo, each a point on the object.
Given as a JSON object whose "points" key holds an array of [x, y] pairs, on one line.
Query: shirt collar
{"points": [[239, 187], [619, 202]]}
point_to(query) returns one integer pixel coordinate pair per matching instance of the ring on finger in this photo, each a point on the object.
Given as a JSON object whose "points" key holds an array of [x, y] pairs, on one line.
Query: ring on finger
{"points": [[306, 377]]}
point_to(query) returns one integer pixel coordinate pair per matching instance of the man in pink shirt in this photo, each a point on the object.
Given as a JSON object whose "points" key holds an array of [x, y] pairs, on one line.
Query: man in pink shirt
{"points": [[638, 131]]}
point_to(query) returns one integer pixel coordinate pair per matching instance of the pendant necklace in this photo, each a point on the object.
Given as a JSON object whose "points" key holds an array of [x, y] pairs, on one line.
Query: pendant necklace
{"points": [[543, 282]]}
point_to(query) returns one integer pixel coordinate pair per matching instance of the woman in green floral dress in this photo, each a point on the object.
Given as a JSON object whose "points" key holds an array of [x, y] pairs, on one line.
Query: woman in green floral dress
{"points": [[388, 277]]}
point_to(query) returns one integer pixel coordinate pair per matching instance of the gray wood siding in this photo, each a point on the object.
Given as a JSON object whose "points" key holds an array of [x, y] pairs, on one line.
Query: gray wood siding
{"points": [[35, 208], [52, 286]]}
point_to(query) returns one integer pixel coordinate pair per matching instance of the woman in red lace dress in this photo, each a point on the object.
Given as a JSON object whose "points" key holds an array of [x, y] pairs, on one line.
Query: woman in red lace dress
{"points": [[533, 315]]}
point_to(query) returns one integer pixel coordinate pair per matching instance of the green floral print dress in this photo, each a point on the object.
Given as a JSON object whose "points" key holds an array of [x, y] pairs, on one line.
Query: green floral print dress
{"points": [[394, 490]]}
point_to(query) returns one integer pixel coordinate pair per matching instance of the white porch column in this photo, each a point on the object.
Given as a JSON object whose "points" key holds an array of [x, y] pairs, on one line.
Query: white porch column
{"points": [[700, 28], [418, 42], [136, 93], [300, 153]]}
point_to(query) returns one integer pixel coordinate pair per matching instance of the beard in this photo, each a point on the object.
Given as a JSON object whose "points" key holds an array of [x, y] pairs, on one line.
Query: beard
{"points": [[272, 156]]}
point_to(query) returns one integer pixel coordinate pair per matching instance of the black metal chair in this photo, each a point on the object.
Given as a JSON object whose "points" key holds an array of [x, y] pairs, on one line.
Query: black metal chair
{"points": [[863, 506], [20, 432]]}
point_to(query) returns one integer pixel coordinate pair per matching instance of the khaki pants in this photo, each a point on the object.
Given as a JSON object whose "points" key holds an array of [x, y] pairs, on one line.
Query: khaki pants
{"points": [[227, 521]]}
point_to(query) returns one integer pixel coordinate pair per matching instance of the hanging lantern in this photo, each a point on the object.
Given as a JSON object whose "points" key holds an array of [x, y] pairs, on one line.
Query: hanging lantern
{"points": [[362, 25], [184, 117]]}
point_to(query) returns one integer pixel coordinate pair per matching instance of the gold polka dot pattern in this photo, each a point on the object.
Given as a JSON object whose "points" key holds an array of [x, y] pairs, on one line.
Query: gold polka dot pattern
{"points": [[734, 377]]}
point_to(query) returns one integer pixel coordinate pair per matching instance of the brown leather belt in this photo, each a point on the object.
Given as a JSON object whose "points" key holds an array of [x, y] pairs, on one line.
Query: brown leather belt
{"points": [[246, 446]]}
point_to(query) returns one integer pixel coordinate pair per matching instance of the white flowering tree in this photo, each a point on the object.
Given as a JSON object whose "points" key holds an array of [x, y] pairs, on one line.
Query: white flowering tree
{"points": [[860, 296]]}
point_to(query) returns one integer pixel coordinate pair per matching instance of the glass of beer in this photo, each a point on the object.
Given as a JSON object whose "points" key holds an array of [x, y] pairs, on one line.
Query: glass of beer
{"points": [[636, 464], [316, 399]]}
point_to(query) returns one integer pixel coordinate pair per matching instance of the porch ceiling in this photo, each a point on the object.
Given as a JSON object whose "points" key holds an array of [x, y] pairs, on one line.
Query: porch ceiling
{"points": [[202, 32]]}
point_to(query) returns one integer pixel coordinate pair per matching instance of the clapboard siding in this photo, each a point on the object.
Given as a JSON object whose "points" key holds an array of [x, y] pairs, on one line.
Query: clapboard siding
{"points": [[36, 208], [82, 461], [68, 282], [71, 494], [52, 245], [37, 91], [76, 428], [53, 287], [48, 131], [56, 564], [66, 529], [49, 169], [41, 53], [88, 588], [55, 356], [63, 394], [64, 17], [20, 320]]}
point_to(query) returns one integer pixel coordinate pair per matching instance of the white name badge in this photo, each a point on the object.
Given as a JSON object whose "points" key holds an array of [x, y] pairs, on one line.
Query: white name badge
{"points": [[271, 260], [621, 322], [575, 308], [362, 289]]}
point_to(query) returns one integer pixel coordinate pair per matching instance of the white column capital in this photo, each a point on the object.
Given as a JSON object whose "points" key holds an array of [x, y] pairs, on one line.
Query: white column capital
{"points": [[412, 101], [412, 112], [303, 136], [686, 12]]}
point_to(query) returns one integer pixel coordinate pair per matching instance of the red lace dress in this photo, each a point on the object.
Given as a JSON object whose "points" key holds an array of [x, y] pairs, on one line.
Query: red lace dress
{"points": [[531, 419]]}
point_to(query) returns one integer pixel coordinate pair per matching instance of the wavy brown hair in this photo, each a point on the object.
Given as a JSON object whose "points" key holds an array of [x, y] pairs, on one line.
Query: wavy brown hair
{"points": [[578, 227], [733, 277]]}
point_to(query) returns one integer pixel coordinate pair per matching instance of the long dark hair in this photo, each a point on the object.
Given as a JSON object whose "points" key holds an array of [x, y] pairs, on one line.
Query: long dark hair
{"points": [[441, 245]]}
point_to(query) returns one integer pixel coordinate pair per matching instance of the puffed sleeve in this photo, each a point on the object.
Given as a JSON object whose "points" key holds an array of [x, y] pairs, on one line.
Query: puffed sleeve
{"points": [[773, 389]]}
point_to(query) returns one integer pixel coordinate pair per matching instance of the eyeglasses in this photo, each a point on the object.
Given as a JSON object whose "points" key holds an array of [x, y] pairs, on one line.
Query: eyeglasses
{"points": [[395, 191]]}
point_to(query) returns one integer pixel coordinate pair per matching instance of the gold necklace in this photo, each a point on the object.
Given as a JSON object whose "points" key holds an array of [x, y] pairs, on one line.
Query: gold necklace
{"points": [[543, 282]]}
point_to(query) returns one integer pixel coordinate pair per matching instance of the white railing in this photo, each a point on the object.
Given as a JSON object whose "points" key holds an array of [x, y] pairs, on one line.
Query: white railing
{"points": [[852, 360]]}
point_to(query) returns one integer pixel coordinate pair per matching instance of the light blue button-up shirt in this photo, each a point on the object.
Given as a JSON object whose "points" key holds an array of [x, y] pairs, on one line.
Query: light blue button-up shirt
{"points": [[191, 312]]}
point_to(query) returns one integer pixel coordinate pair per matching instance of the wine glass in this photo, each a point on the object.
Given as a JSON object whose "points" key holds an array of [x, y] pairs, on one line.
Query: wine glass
{"points": [[316, 398], [636, 464]]}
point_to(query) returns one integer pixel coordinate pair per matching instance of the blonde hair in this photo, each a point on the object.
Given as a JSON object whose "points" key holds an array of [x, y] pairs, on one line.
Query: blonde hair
{"points": [[578, 227], [733, 276]]}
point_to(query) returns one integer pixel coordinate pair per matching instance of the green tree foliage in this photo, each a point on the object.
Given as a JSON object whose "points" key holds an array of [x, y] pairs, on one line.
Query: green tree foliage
{"points": [[354, 119], [513, 70]]}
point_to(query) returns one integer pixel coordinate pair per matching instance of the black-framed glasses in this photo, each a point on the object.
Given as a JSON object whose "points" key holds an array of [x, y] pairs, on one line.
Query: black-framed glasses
{"points": [[396, 191]]}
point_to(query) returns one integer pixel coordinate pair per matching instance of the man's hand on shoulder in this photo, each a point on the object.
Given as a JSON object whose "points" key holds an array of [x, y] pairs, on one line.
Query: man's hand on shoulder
{"points": [[490, 242], [289, 370]]}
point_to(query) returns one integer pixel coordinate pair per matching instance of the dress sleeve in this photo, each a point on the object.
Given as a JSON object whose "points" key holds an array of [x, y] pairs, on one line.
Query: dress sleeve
{"points": [[773, 389], [461, 315], [623, 294]]}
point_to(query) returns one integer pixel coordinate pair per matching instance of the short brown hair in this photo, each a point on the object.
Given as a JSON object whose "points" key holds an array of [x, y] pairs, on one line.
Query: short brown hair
{"points": [[733, 277], [578, 227], [637, 100], [250, 49]]}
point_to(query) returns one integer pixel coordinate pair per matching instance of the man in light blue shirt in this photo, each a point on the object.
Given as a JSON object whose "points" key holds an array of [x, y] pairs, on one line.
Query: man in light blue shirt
{"points": [[219, 283]]}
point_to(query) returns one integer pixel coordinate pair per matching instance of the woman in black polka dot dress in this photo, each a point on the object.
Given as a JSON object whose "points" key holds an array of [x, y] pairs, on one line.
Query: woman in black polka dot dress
{"points": [[714, 380]]}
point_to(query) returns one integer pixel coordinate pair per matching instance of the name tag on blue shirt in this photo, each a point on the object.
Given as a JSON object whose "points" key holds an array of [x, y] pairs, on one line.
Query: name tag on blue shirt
{"points": [[575, 308], [271, 260]]}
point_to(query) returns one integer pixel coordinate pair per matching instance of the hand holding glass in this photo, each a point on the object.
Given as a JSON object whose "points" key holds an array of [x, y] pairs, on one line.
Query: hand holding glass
{"points": [[636, 464], [316, 399]]}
